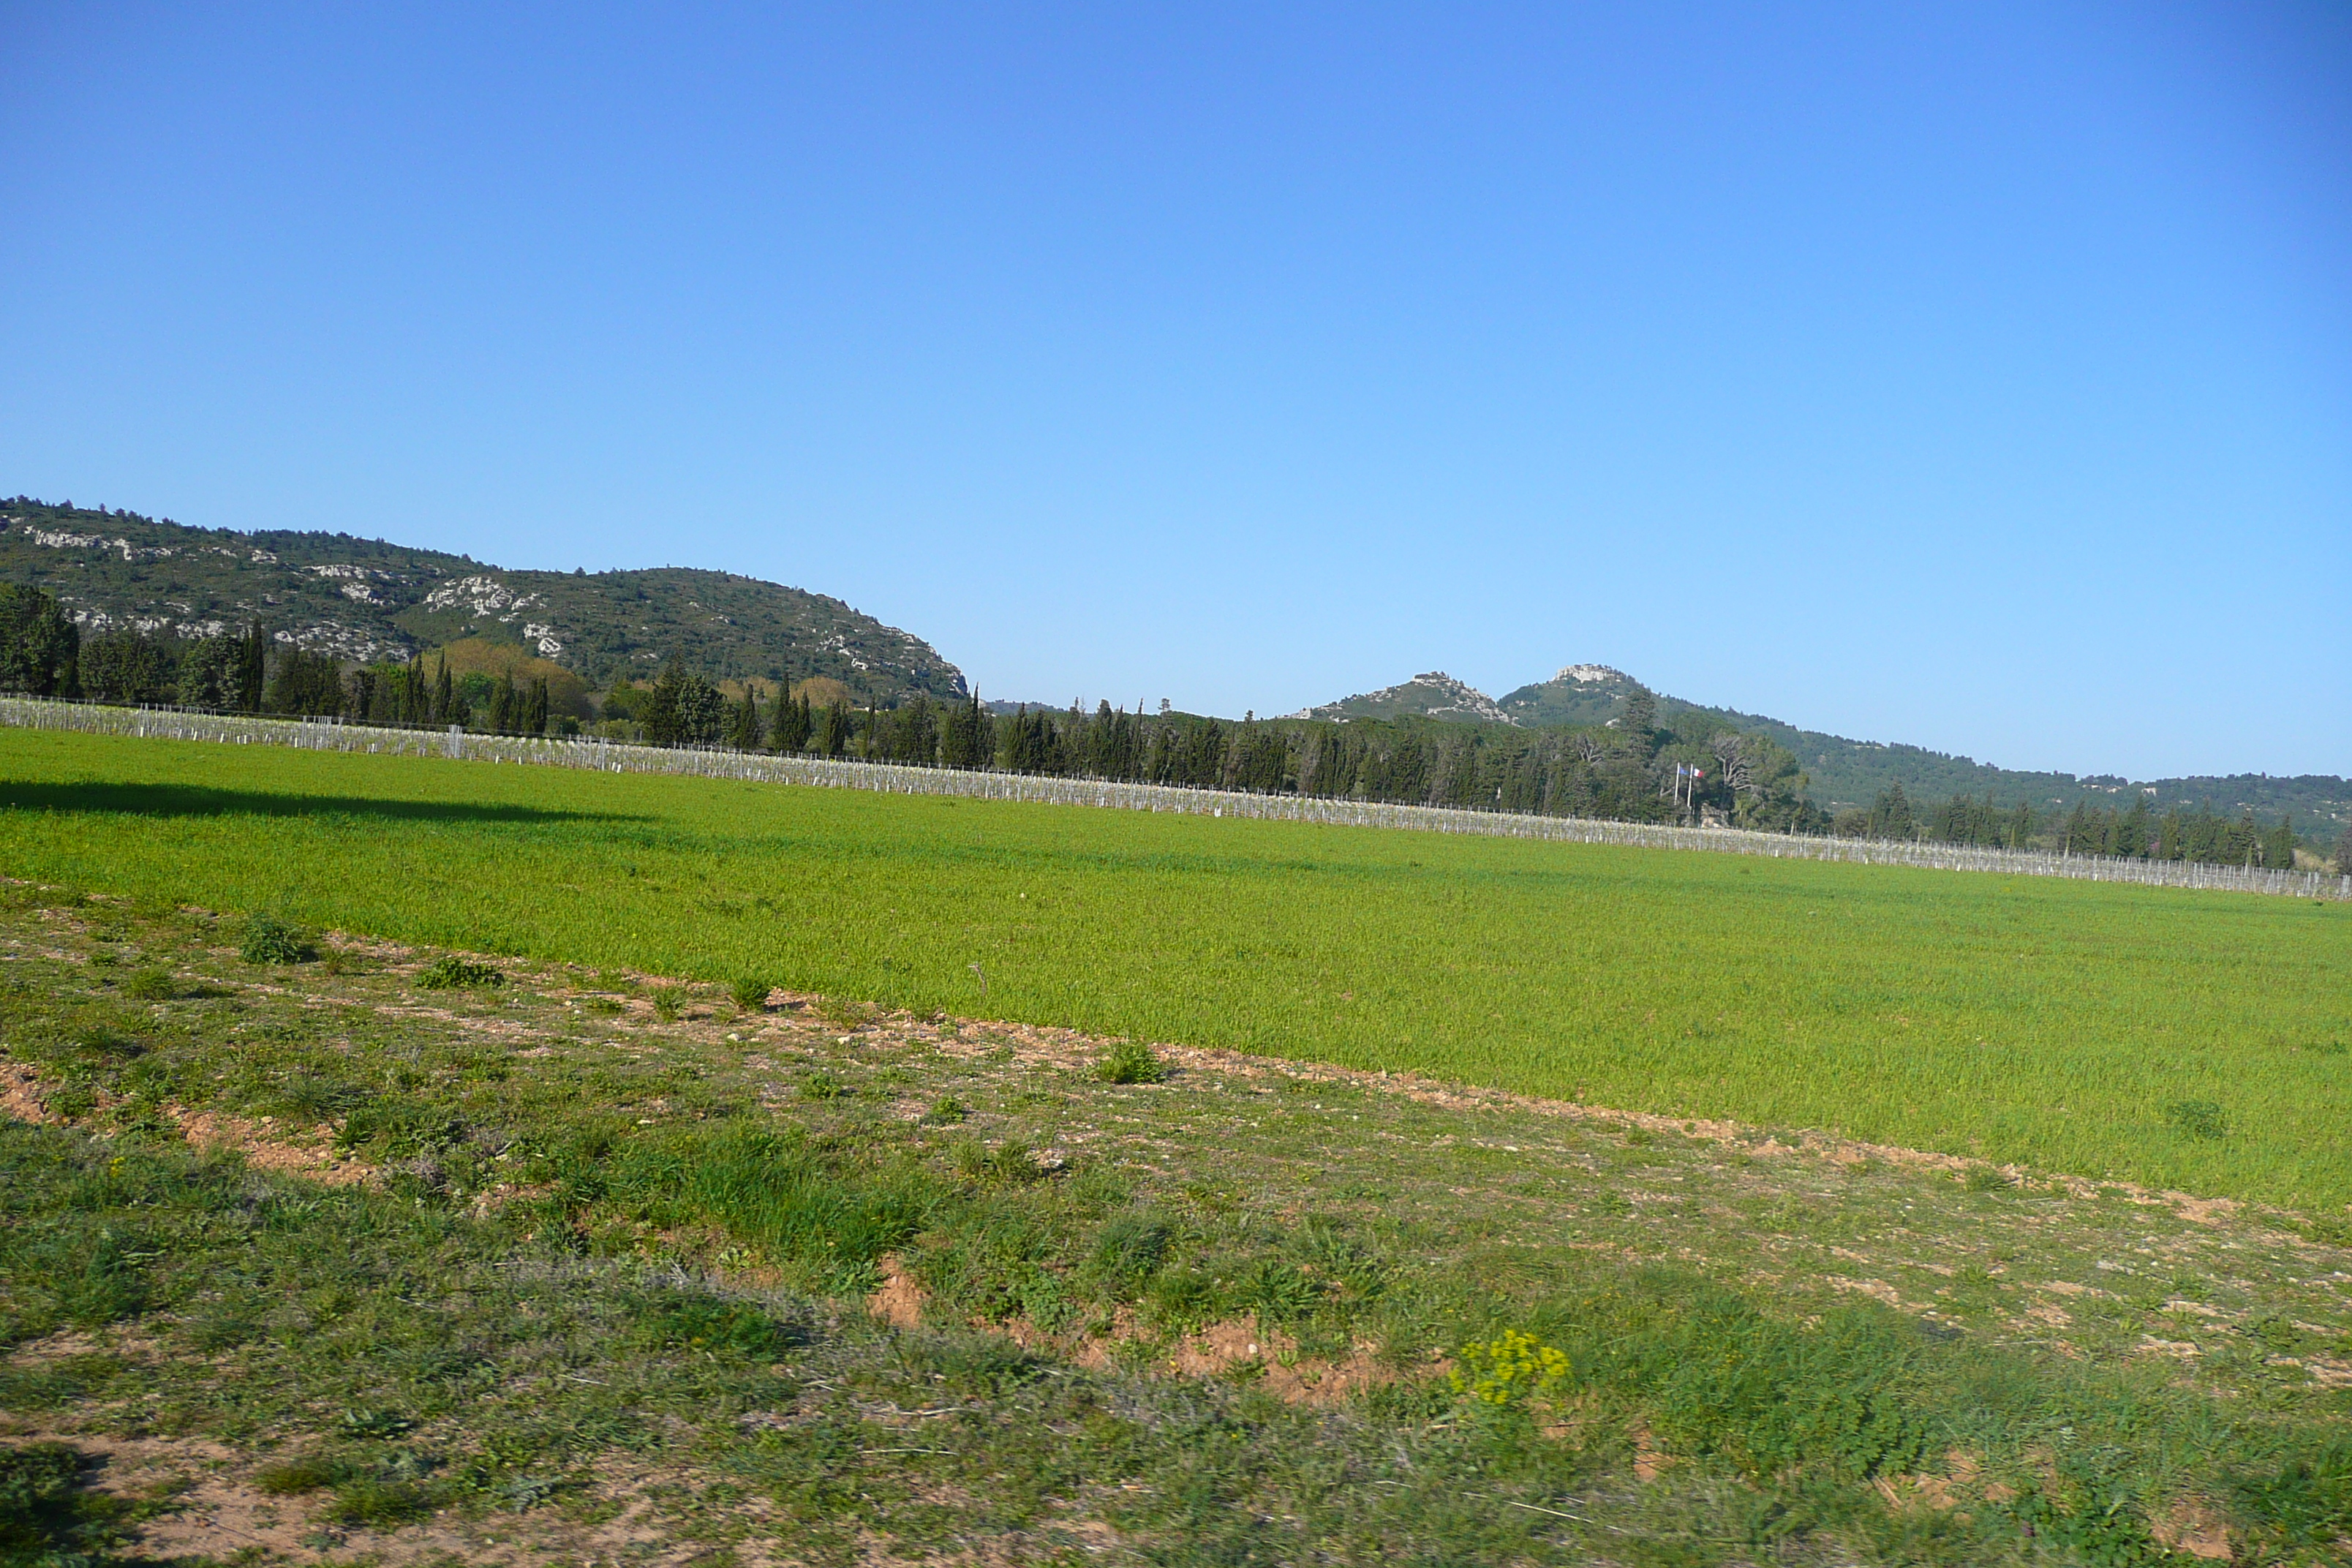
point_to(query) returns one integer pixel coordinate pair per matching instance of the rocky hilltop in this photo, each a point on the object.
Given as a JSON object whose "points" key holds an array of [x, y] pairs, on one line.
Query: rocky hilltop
{"points": [[1436, 695], [368, 600]]}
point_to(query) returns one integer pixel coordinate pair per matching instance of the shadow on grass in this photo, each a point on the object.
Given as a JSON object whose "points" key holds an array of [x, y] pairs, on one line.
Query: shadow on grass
{"points": [[183, 800]]}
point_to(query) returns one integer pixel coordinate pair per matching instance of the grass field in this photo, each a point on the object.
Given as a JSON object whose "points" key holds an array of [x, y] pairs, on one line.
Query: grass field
{"points": [[318, 1261], [2190, 1040]]}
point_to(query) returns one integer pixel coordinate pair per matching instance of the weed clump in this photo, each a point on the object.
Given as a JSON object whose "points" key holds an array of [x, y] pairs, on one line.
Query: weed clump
{"points": [[376, 1503], [268, 940], [450, 972], [2197, 1117], [750, 993], [667, 1001], [1130, 1061], [149, 986], [306, 1474]]}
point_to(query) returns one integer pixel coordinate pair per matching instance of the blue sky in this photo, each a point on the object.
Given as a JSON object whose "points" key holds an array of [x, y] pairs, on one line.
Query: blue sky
{"points": [[1979, 377]]}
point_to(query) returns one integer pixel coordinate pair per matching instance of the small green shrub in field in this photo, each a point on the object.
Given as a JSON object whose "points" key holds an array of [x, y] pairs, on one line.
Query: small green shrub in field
{"points": [[1130, 1061], [376, 1503], [370, 1423], [608, 1005], [1987, 1179], [2197, 1117], [450, 972], [291, 1477], [1510, 1369], [149, 986], [72, 1100], [268, 940], [107, 1045], [667, 1001], [1011, 1163], [751, 994], [822, 1086], [947, 1111]]}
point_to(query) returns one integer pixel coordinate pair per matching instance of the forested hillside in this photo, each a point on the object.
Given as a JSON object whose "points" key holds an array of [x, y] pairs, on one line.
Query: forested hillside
{"points": [[1844, 776], [365, 601]]}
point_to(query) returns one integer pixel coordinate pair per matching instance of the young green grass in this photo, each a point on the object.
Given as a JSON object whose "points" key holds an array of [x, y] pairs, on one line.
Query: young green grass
{"points": [[2020, 1019], [615, 1258]]}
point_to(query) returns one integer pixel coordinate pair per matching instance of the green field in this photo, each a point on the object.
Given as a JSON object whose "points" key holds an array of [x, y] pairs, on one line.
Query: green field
{"points": [[2044, 1022]]}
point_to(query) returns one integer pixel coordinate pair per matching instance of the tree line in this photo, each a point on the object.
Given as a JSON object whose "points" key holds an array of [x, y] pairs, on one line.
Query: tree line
{"points": [[1637, 769], [248, 671], [2138, 832]]}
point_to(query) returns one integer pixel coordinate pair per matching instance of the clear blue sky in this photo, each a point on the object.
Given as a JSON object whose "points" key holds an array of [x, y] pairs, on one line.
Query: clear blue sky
{"points": [[1979, 376]]}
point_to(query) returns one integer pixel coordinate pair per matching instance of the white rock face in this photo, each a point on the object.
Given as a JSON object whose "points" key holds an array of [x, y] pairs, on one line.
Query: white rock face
{"points": [[1591, 674], [483, 595]]}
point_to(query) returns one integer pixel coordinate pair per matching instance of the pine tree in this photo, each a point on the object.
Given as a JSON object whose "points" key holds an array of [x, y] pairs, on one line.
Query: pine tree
{"points": [[2278, 846], [535, 714]]}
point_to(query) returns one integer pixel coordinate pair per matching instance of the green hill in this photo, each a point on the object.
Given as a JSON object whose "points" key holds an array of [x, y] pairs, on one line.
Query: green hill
{"points": [[367, 600], [1844, 773]]}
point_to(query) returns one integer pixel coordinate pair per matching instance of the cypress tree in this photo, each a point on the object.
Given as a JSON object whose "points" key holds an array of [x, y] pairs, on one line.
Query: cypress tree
{"points": [[663, 712], [833, 734], [1891, 816], [39, 644], [2278, 846], [744, 724], [252, 669], [2132, 831], [794, 722]]}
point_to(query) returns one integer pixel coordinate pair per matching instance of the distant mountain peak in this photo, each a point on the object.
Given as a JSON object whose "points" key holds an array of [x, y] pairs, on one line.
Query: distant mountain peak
{"points": [[1432, 695], [1593, 674]]}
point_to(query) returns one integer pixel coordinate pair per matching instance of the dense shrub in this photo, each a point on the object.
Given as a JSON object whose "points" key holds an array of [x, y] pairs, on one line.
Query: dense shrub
{"points": [[449, 973]]}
